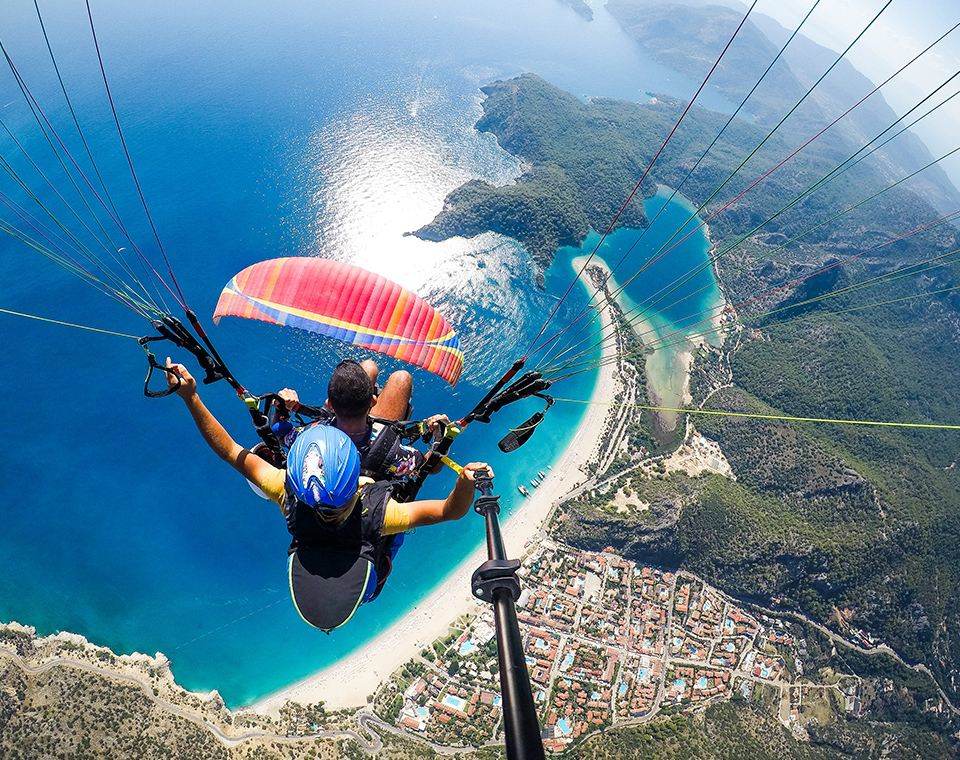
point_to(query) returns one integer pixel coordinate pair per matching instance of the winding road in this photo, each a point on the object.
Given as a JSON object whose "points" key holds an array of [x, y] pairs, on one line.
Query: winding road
{"points": [[371, 744]]}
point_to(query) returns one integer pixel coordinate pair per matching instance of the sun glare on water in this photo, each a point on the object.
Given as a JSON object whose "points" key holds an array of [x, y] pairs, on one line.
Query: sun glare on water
{"points": [[379, 173], [381, 180]]}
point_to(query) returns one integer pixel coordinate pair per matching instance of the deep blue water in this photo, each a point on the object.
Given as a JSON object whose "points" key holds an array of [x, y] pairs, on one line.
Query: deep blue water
{"points": [[258, 131]]}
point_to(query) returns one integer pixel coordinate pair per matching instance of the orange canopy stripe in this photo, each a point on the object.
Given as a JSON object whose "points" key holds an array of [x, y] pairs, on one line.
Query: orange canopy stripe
{"points": [[348, 303]]}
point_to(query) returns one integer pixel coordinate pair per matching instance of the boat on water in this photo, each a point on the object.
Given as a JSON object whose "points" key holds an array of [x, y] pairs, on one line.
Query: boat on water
{"points": [[535, 482], [523, 491], [542, 474], [549, 467]]}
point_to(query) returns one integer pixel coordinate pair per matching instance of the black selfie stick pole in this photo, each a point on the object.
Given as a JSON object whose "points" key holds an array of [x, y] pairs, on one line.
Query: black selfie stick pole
{"points": [[495, 581]]}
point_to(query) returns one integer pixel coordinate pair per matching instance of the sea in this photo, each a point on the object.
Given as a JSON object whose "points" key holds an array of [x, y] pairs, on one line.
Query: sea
{"points": [[261, 130]]}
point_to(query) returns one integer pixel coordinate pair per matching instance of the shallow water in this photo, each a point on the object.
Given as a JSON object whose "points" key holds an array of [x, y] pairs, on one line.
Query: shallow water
{"points": [[661, 301]]}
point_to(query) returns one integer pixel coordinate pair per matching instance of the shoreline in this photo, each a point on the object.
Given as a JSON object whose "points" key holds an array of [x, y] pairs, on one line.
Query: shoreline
{"points": [[348, 682], [650, 329]]}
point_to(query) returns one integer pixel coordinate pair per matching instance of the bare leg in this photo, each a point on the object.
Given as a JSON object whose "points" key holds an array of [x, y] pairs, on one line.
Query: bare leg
{"points": [[394, 401], [372, 370]]}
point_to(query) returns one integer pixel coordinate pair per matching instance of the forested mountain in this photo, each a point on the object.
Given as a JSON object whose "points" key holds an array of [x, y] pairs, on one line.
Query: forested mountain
{"points": [[585, 157], [688, 36], [850, 526]]}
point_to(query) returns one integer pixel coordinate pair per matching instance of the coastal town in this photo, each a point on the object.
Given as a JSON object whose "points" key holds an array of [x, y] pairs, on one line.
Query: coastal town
{"points": [[608, 642]]}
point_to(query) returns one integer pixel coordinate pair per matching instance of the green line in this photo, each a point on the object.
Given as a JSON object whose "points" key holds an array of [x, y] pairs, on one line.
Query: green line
{"points": [[690, 338], [836, 172], [688, 174], [643, 309], [875, 304], [780, 417]]}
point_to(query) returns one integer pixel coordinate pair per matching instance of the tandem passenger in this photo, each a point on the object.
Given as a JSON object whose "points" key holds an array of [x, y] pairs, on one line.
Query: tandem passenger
{"points": [[346, 527]]}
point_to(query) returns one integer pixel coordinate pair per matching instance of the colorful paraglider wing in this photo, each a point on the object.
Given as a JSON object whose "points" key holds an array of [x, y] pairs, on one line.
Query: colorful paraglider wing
{"points": [[347, 303]]}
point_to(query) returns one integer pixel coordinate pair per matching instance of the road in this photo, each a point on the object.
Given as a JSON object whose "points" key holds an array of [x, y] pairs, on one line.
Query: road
{"points": [[870, 652], [371, 744]]}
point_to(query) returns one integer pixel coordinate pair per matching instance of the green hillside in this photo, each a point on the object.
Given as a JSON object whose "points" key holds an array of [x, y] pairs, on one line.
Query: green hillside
{"points": [[828, 521]]}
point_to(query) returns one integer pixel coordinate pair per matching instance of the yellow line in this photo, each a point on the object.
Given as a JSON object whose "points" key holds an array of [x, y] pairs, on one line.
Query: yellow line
{"points": [[451, 464], [779, 417]]}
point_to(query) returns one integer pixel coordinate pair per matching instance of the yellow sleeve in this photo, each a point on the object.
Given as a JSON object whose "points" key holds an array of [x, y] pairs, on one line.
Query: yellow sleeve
{"points": [[274, 486], [396, 519]]}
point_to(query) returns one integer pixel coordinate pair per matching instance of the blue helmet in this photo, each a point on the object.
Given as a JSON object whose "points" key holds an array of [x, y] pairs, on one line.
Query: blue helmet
{"points": [[323, 468]]}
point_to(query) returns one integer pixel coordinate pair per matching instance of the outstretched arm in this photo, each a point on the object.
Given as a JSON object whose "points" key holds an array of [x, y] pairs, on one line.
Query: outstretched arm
{"points": [[244, 461], [455, 506]]}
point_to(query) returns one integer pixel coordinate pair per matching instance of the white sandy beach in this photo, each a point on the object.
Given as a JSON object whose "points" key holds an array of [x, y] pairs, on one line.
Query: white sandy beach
{"points": [[348, 682]]}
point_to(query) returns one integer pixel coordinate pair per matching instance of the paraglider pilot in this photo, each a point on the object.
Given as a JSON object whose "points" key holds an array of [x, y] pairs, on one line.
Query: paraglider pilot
{"points": [[363, 411]]}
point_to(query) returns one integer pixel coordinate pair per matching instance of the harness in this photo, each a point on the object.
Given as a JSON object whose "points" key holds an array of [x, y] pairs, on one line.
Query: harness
{"points": [[384, 447], [361, 533], [265, 410], [377, 456]]}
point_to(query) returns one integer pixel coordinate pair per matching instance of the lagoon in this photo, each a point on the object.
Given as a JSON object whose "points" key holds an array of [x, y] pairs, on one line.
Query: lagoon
{"points": [[660, 300]]}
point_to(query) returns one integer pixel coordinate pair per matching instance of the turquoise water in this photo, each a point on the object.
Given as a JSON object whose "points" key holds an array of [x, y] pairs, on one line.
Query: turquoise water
{"points": [[658, 299], [318, 129]]}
